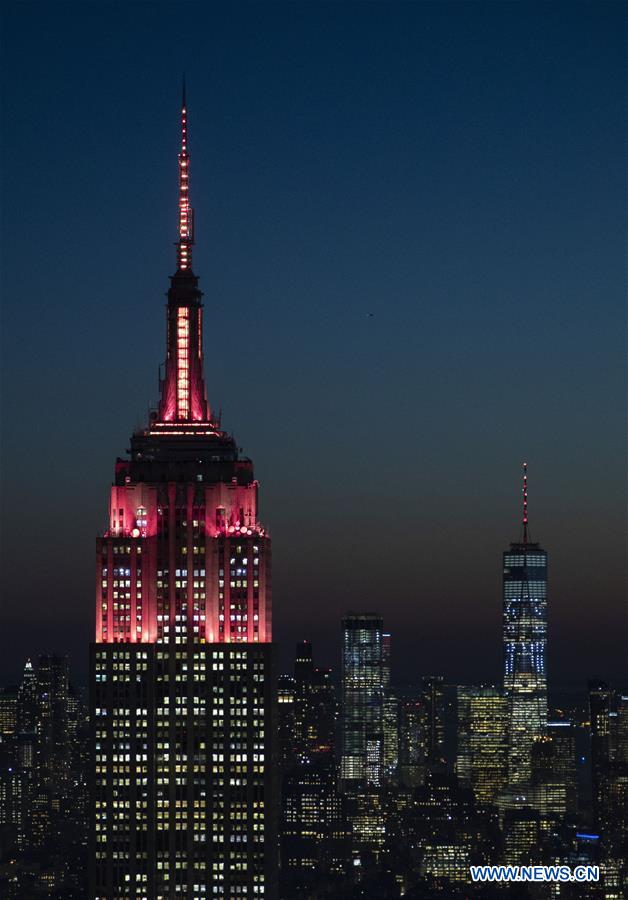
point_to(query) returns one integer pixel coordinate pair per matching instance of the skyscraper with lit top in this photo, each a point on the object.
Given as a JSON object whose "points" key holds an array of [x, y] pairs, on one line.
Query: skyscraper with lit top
{"points": [[525, 641], [182, 720]]}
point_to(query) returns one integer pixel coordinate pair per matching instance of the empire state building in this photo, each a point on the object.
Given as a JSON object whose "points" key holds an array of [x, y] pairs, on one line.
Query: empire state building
{"points": [[181, 669]]}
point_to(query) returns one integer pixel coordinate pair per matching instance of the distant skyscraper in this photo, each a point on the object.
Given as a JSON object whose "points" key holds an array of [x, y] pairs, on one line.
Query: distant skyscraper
{"points": [[609, 770], [525, 640], [386, 658], [27, 700], [362, 701], [303, 670], [548, 786], [390, 753], [323, 711], [443, 810], [362, 725], [285, 720], [18, 707], [601, 703], [413, 741], [181, 677], [53, 727], [313, 704], [618, 845], [44, 749], [312, 828], [8, 712], [481, 760], [522, 835], [433, 692], [561, 760], [313, 839]]}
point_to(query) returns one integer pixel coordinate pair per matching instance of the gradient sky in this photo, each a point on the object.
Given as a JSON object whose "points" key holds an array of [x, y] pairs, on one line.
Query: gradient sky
{"points": [[455, 170]]}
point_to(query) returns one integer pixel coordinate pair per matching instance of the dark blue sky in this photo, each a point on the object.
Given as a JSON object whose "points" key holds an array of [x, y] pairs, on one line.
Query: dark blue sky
{"points": [[458, 171]]}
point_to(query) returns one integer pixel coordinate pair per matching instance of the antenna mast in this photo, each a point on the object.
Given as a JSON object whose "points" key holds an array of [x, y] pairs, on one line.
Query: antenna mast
{"points": [[525, 503], [186, 213]]}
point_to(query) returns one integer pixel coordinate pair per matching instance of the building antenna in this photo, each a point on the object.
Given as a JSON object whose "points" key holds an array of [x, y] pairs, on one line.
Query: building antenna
{"points": [[525, 503], [186, 213]]}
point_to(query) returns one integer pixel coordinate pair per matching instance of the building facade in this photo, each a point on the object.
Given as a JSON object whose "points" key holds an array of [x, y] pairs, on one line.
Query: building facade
{"points": [[313, 834], [433, 692], [413, 741], [481, 760], [390, 752], [181, 670], [608, 713]]}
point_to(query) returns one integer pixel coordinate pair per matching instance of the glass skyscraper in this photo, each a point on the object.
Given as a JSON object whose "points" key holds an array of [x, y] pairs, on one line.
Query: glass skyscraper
{"points": [[362, 700], [525, 641], [362, 721]]}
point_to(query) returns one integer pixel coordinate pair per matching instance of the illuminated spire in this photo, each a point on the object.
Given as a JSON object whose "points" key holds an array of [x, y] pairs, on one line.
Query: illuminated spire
{"points": [[186, 213], [183, 394], [525, 503]]}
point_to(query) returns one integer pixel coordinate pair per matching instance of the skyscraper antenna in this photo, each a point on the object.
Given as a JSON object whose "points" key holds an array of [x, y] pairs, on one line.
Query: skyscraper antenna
{"points": [[186, 213], [525, 503]]}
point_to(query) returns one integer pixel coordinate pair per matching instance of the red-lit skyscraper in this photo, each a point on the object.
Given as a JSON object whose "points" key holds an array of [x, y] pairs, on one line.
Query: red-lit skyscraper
{"points": [[183, 798]]}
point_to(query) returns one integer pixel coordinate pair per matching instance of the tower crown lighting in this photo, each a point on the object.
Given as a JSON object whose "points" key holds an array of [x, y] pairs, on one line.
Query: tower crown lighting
{"points": [[185, 555]]}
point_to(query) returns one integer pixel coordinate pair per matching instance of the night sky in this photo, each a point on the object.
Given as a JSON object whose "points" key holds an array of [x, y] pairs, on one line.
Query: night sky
{"points": [[411, 234]]}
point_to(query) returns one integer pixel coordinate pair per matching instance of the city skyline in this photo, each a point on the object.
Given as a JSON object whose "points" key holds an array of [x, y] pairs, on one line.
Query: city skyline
{"points": [[419, 361], [400, 291]]}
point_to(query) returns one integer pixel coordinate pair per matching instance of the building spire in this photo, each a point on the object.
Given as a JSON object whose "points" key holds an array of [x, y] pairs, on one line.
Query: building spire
{"points": [[186, 213], [183, 394], [525, 503]]}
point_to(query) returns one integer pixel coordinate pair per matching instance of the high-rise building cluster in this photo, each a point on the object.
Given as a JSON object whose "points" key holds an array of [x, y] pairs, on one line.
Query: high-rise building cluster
{"points": [[352, 825], [409, 828], [43, 784], [431, 779]]}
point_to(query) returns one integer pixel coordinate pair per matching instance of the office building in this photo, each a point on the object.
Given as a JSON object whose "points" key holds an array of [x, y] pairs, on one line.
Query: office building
{"points": [[362, 727], [413, 741], [481, 760], [433, 693]]}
